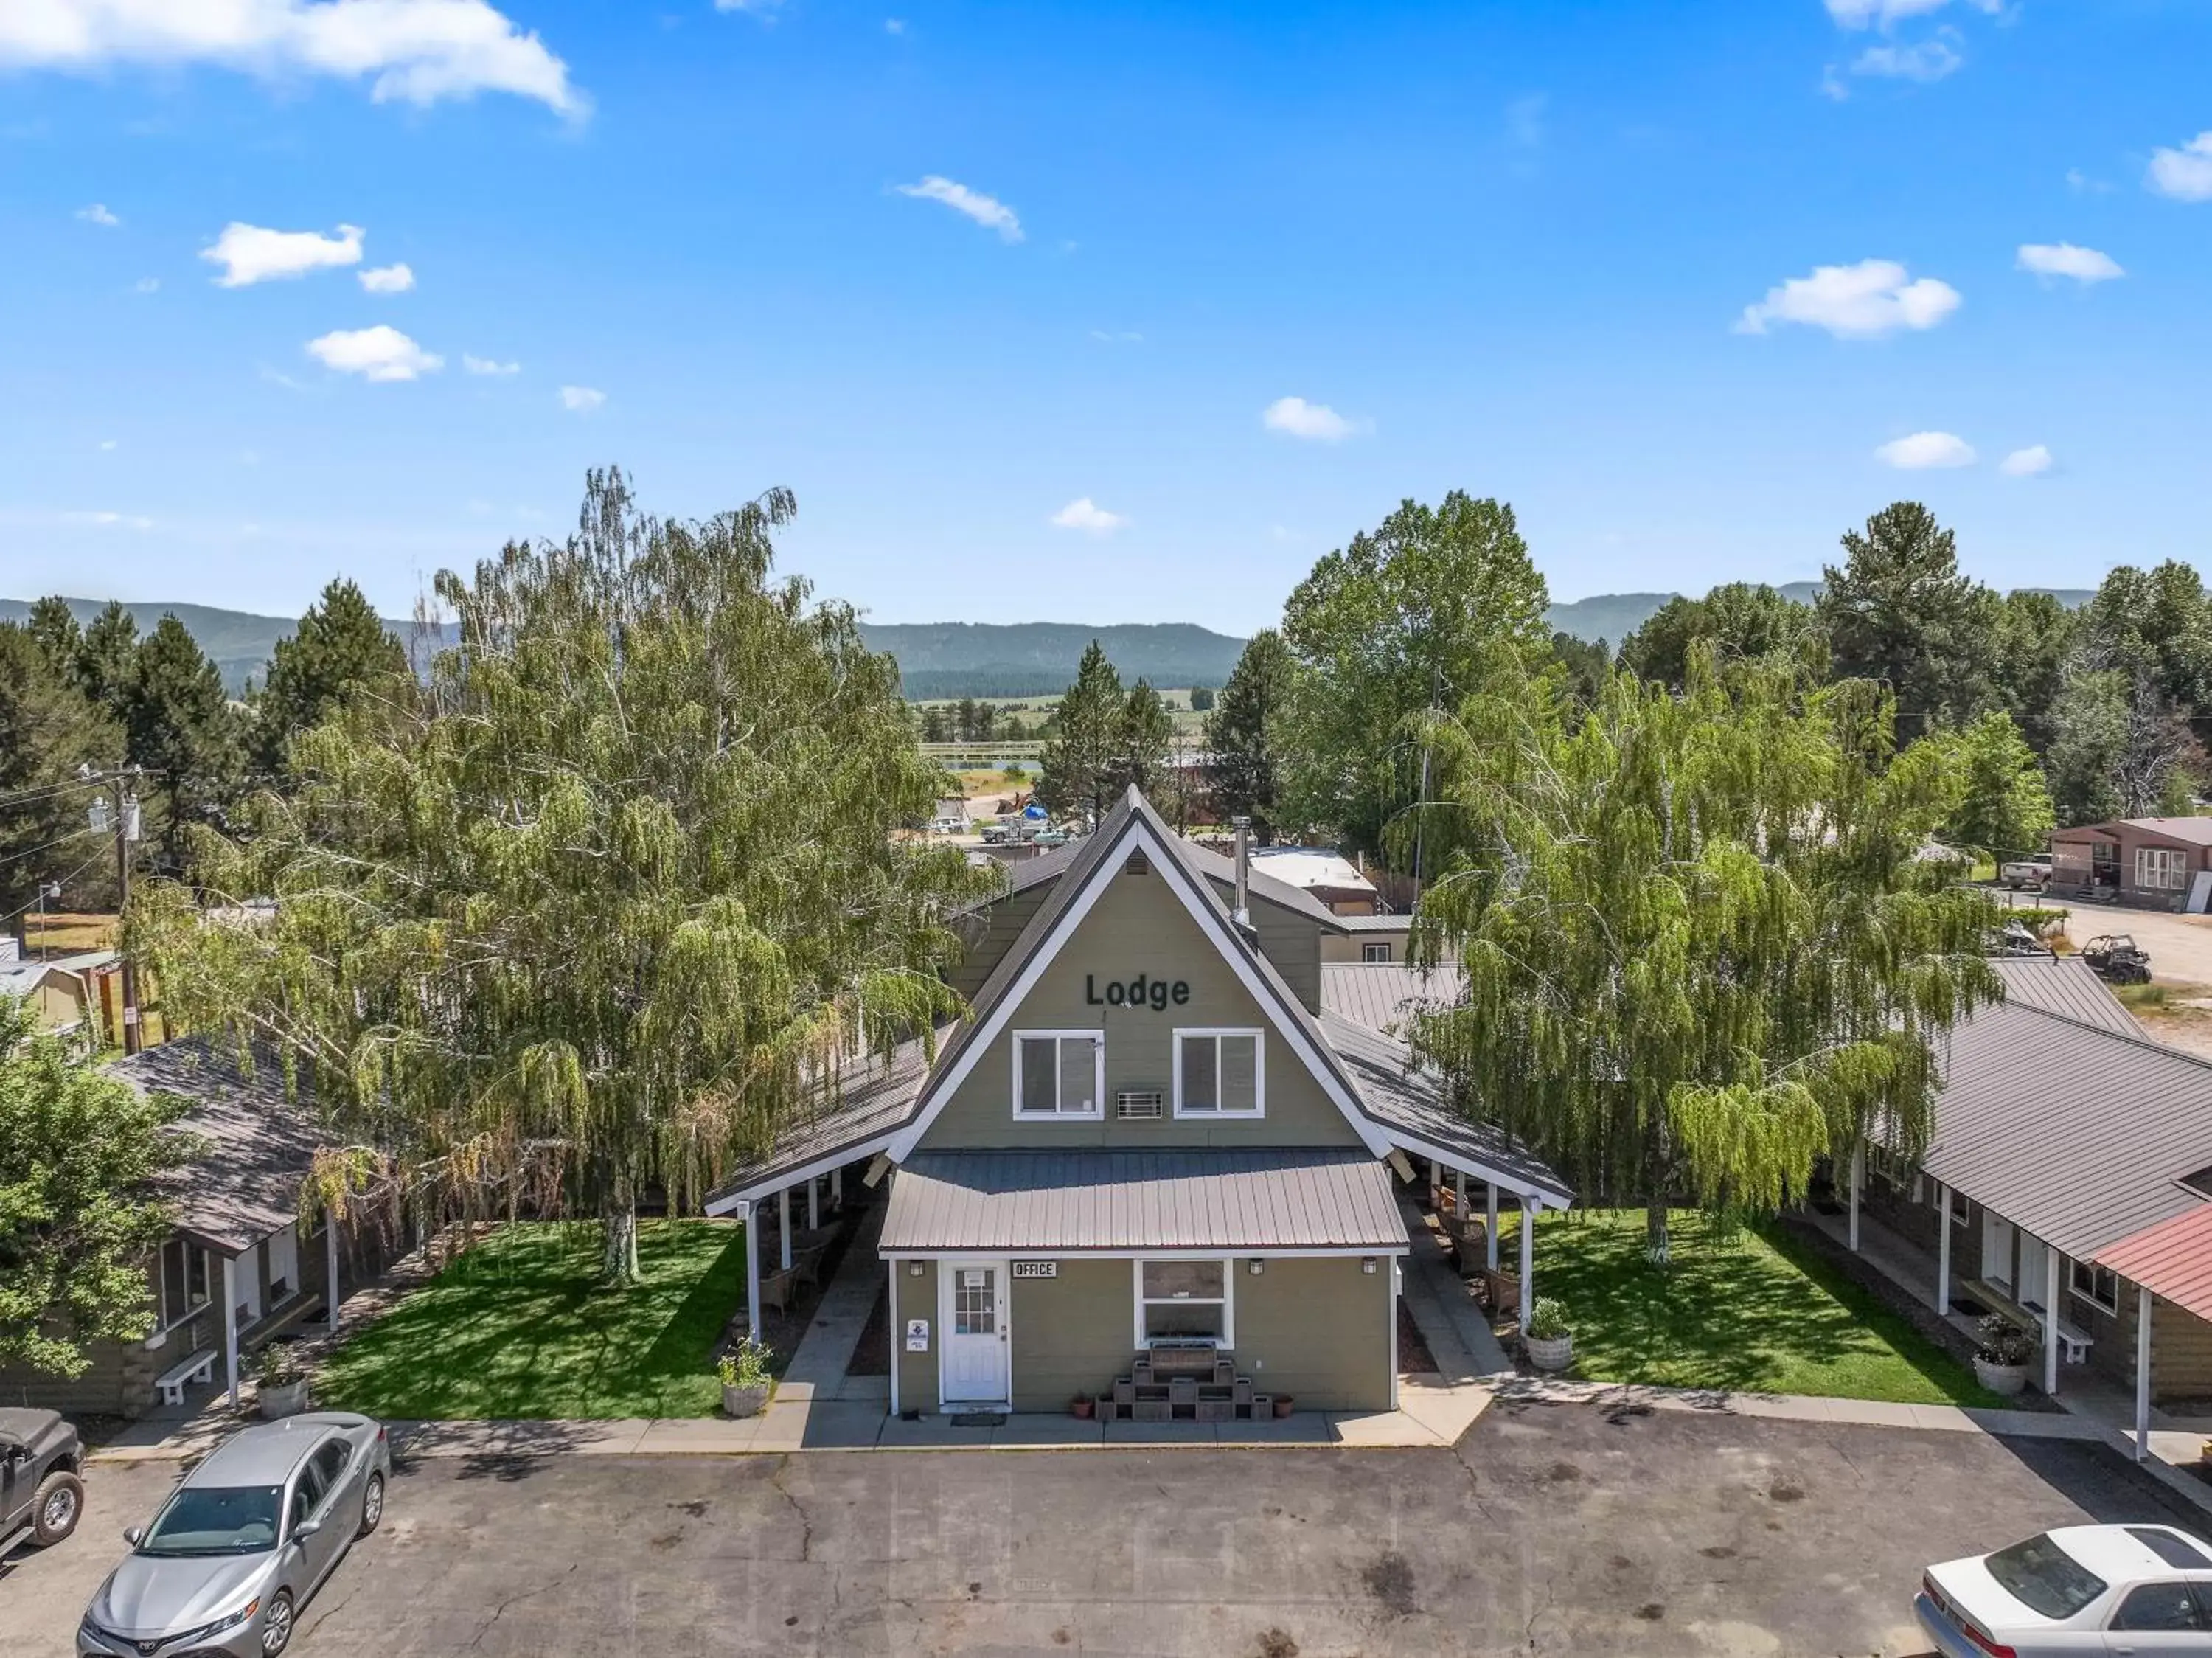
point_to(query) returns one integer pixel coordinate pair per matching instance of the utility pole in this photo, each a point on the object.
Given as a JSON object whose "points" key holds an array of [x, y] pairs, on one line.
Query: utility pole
{"points": [[47, 889], [126, 831]]}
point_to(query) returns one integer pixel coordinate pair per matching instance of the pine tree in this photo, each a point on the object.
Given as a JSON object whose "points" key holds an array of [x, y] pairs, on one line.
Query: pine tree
{"points": [[341, 649], [1087, 740], [1241, 733], [1145, 741], [48, 728], [1900, 612], [110, 646], [1700, 946], [53, 627], [178, 727], [618, 898]]}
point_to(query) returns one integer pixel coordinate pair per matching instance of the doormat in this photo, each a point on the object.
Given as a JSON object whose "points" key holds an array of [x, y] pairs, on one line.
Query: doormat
{"points": [[980, 1419], [1969, 1306]]}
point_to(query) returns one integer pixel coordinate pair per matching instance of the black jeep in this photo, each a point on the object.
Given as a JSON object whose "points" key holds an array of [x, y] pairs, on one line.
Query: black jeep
{"points": [[42, 1491]]}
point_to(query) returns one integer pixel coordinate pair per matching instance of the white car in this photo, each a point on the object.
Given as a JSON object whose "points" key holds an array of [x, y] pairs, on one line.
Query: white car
{"points": [[2076, 1592]]}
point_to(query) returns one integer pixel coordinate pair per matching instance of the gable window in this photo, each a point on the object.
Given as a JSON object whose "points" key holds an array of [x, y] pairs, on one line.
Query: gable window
{"points": [[1182, 1301], [1217, 1073], [1059, 1073], [2164, 869], [1375, 954], [2099, 1286]]}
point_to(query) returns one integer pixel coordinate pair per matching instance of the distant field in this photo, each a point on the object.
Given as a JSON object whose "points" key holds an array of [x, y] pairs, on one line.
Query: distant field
{"points": [[60, 934]]}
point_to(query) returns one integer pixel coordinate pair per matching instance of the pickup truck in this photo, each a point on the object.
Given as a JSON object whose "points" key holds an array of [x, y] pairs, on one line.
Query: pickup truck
{"points": [[41, 1490], [2028, 871]]}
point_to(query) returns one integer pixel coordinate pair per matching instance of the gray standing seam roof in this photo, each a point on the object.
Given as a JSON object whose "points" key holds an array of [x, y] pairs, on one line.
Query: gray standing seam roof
{"points": [[1383, 995], [1237, 1200], [874, 1099], [2065, 985], [2079, 1133]]}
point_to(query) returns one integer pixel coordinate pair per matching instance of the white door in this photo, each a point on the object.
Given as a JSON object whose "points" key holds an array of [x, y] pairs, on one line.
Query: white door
{"points": [[1996, 1250], [974, 1318]]}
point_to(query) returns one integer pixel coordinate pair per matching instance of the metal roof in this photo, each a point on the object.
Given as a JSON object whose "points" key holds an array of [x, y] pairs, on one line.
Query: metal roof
{"points": [[2077, 1132], [873, 1099], [1237, 1200], [244, 1185], [1409, 1103], [1202, 860], [2173, 1259], [1380, 995], [2065, 985]]}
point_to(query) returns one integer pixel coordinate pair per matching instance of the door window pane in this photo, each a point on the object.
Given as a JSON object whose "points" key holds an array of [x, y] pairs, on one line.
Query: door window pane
{"points": [[975, 1302]]}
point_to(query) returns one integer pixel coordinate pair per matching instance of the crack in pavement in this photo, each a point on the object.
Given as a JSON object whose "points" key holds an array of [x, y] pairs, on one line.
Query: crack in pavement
{"points": [[805, 1524], [500, 1610]]}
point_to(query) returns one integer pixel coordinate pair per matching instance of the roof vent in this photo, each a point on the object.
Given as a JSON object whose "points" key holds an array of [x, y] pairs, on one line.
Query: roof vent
{"points": [[1139, 865]]}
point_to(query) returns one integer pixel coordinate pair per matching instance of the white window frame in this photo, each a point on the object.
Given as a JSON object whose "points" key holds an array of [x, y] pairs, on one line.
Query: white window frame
{"points": [[1227, 1304], [2073, 1285], [1960, 1206], [1215, 1114], [170, 1317], [1097, 1041], [2162, 868], [1376, 953]]}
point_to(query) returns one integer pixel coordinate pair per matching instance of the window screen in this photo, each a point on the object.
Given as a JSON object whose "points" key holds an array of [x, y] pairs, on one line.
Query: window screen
{"points": [[1220, 1072], [1184, 1299], [1058, 1075]]}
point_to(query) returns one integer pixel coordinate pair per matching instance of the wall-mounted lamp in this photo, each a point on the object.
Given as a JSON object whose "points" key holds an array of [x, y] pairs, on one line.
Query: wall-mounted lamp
{"points": [[1367, 1264], [914, 1269], [1257, 1266]]}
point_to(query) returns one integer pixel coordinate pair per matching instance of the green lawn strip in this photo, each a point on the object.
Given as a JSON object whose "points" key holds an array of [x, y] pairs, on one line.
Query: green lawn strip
{"points": [[1758, 1312], [521, 1328]]}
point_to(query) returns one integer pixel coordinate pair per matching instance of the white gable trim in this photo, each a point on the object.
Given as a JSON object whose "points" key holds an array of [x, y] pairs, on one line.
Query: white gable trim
{"points": [[1212, 922], [767, 1186], [1519, 1184]]}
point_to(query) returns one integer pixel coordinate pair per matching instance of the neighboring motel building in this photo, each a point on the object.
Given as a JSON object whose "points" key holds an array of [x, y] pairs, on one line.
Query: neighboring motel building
{"points": [[1150, 1136]]}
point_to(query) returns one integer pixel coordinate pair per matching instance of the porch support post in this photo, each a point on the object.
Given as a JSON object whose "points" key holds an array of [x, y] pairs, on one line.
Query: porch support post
{"points": [[2050, 1322], [752, 1271], [814, 1203], [1436, 1176], [230, 1327], [1529, 1211], [1943, 1252], [330, 1267], [1459, 1197], [837, 1185], [2142, 1373], [1490, 1186], [783, 1200], [892, 1336], [1858, 1179]]}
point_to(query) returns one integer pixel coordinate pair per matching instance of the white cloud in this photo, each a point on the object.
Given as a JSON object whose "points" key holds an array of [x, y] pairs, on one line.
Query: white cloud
{"points": [[417, 50], [2082, 184], [148, 284], [389, 278], [1924, 450], [894, 26], [581, 399], [1117, 336], [759, 8], [986, 211], [109, 521], [2031, 462], [2084, 265], [1924, 61], [1299, 419], [1886, 14], [485, 365], [2184, 173], [98, 214], [107, 443], [249, 253], [378, 353], [1854, 301], [1086, 515]]}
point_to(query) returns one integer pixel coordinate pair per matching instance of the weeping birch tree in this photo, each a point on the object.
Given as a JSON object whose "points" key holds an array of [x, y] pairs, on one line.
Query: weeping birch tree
{"points": [[1700, 947], [615, 892]]}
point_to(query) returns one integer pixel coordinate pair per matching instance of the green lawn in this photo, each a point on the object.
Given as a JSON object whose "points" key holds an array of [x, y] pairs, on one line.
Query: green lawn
{"points": [[520, 1327], [1760, 1313]]}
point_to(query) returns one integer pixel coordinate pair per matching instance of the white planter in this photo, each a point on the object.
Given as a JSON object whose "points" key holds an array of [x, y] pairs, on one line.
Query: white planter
{"points": [[282, 1398], [2005, 1379], [1554, 1354], [746, 1401]]}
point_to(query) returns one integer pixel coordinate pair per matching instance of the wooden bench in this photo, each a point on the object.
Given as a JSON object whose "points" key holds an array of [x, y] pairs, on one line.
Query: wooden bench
{"points": [[2074, 1343], [194, 1367]]}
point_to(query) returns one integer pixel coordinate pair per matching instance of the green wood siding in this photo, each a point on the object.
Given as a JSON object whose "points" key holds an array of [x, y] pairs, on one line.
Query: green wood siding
{"points": [[917, 1372], [1138, 926], [1073, 1334], [1318, 1329]]}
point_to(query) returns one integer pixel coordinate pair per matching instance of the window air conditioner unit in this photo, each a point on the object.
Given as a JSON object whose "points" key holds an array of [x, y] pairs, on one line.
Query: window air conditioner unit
{"points": [[1131, 1104]]}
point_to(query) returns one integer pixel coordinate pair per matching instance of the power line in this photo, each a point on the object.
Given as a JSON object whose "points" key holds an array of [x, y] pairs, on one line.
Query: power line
{"points": [[98, 780], [33, 852], [59, 880]]}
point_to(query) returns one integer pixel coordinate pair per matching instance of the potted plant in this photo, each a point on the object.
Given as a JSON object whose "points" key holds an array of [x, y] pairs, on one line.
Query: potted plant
{"points": [[280, 1382], [746, 1383], [1082, 1407], [2003, 1354], [1549, 1339], [1284, 1405]]}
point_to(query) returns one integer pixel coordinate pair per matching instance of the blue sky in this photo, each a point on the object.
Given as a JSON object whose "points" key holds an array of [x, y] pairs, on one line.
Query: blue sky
{"points": [[1684, 284]]}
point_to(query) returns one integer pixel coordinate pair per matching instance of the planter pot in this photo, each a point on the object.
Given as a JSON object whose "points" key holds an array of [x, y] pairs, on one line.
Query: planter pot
{"points": [[1555, 1354], [1082, 1408], [282, 1398], [1284, 1405], [746, 1401], [2005, 1379]]}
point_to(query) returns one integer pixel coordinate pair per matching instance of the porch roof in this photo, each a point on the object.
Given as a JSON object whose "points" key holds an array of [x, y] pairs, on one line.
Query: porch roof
{"points": [[1243, 1200], [2172, 1260]]}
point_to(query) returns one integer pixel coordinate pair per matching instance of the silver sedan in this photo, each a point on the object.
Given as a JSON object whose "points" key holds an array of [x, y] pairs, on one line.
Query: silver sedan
{"points": [[242, 1542]]}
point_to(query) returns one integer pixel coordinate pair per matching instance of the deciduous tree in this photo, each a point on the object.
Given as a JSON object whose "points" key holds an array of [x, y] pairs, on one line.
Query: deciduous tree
{"points": [[2001, 802], [1738, 620]]}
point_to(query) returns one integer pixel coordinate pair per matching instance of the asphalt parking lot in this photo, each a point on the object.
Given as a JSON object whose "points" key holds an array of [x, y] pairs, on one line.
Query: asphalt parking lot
{"points": [[1550, 1530]]}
